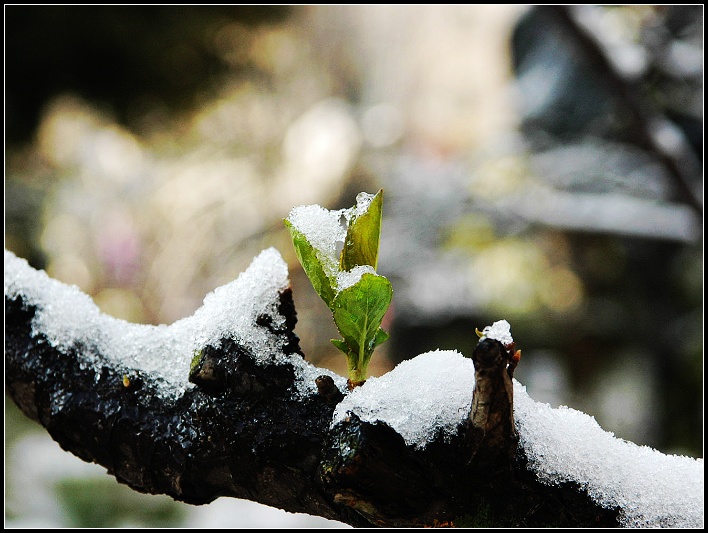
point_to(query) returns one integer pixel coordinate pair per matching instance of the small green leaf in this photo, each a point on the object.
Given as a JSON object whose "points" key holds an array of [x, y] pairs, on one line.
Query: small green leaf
{"points": [[358, 311], [359, 308], [312, 265], [361, 245]]}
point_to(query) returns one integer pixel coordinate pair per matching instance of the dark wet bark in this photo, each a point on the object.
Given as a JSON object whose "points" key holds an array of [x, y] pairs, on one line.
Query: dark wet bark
{"points": [[241, 433]]}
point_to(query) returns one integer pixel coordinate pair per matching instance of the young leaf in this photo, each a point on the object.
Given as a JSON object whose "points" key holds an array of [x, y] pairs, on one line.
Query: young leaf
{"points": [[349, 285], [358, 311], [361, 245], [312, 265]]}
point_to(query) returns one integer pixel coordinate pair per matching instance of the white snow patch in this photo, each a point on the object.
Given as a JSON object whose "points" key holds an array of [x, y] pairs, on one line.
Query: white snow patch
{"points": [[346, 279], [68, 318], [420, 398], [655, 490], [500, 330], [323, 230]]}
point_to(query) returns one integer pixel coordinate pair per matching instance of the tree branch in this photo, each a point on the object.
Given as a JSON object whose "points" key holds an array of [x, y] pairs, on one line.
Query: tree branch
{"points": [[245, 429]]}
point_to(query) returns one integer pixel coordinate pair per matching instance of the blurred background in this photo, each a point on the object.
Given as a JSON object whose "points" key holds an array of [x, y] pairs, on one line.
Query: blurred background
{"points": [[542, 165]]}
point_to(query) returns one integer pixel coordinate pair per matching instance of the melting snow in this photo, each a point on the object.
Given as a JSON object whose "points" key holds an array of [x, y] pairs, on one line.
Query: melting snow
{"points": [[363, 201], [326, 233], [68, 317], [432, 393]]}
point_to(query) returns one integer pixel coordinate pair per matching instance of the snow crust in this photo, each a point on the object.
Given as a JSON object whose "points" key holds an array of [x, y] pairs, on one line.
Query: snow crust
{"points": [[69, 318], [500, 330], [432, 394], [563, 444]]}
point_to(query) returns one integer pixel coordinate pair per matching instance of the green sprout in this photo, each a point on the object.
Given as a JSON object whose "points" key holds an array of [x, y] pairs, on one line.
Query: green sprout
{"points": [[357, 296]]}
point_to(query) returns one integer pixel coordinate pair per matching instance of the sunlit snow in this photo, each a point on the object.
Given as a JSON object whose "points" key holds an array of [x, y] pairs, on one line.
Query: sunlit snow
{"points": [[68, 318], [326, 231], [655, 490]]}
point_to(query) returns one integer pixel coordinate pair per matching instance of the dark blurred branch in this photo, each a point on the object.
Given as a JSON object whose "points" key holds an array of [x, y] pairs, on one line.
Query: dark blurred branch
{"points": [[652, 130]]}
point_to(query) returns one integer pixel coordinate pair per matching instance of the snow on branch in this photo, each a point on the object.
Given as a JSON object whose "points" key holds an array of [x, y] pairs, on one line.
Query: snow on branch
{"points": [[223, 404], [67, 317]]}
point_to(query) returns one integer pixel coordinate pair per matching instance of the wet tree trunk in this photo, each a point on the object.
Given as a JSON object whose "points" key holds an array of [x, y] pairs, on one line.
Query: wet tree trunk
{"points": [[241, 433]]}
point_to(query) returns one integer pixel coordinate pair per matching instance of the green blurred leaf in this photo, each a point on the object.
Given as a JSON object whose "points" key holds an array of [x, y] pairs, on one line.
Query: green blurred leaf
{"points": [[358, 311], [312, 264], [102, 503], [361, 245]]}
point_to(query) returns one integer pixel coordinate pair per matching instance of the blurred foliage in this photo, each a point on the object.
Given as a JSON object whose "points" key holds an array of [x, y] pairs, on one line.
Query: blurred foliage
{"points": [[131, 59], [152, 152], [94, 503]]}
